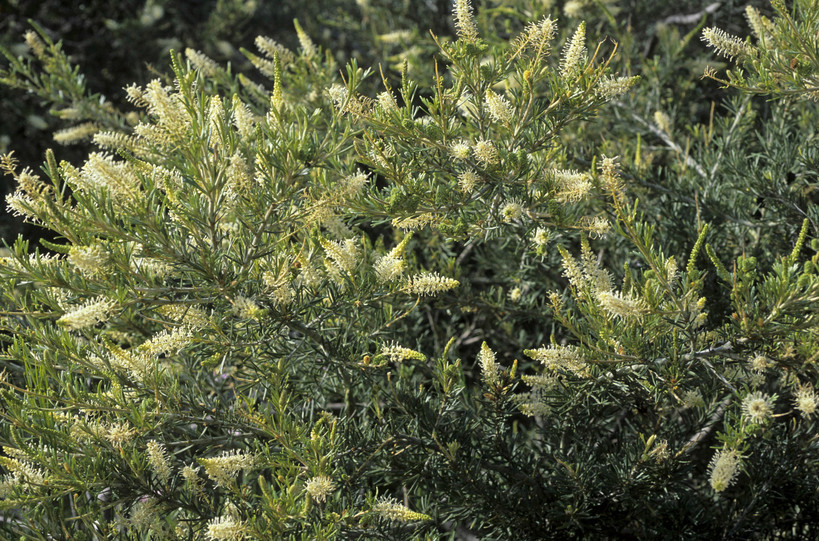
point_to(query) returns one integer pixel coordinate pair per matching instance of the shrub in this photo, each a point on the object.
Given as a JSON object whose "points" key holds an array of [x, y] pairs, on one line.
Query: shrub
{"points": [[335, 306]]}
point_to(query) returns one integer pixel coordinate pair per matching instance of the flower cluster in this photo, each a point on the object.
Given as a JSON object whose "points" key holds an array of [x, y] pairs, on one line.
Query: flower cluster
{"points": [[486, 153], [430, 283], [556, 358], [758, 363], [185, 314], [533, 403], [805, 400], [87, 315], [193, 481], [537, 35], [343, 255], [723, 468], [460, 150], [167, 342], [246, 308], [158, 459], [573, 186], [612, 87], [319, 487], [619, 305], [223, 469], [396, 353], [757, 407], [390, 266], [76, 133], [22, 473], [512, 210], [499, 108], [226, 528], [394, 511], [467, 180], [490, 371], [574, 54], [464, 21], [727, 45], [202, 62], [90, 260]]}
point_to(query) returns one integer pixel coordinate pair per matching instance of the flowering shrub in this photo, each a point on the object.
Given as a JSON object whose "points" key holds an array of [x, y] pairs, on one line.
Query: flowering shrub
{"points": [[305, 311]]}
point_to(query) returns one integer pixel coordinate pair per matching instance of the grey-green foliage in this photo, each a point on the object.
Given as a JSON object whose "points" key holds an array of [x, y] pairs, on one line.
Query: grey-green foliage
{"points": [[338, 307]]}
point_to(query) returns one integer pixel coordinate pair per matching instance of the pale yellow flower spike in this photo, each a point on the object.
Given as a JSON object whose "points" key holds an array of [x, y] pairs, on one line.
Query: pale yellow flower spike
{"points": [[512, 210], [386, 101], [394, 511], [226, 528], [201, 62], [465, 21], [486, 153], [271, 48], [277, 100], [344, 255], [168, 109], [755, 22], [112, 140], [468, 180], [92, 312], [90, 260], [22, 472], [556, 358], [460, 150], [536, 36], [429, 283], [76, 133], [308, 48], [489, 368], [35, 44], [618, 305], [397, 353], [574, 185], [398, 251], [723, 469], [158, 459], [389, 268], [245, 308], [216, 117], [612, 87], [191, 477], [727, 45], [167, 342], [499, 108], [541, 236], [223, 469], [574, 54]]}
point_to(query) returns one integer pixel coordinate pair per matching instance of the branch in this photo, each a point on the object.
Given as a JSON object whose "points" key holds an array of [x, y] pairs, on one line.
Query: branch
{"points": [[692, 17], [689, 161], [723, 350], [706, 430]]}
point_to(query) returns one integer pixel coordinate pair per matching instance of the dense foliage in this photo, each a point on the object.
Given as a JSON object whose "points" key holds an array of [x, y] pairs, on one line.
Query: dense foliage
{"points": [[522, 281]]}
